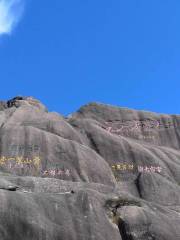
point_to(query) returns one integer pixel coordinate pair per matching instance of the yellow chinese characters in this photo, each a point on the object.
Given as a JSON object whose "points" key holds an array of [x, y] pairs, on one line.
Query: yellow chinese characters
{"points": [[19, 160], [3, 160], [36, 161], [123, 166]]}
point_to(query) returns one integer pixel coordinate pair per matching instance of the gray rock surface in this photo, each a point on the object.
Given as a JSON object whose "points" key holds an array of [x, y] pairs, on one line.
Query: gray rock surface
{"points": [[102, 173]]}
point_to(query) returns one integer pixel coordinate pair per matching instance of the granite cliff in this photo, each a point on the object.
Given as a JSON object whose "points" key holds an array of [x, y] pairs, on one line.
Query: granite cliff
{"points": [[102, 173]]}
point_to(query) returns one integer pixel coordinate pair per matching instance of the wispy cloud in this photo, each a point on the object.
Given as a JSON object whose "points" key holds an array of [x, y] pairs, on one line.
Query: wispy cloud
{"points": [[10, 14]]}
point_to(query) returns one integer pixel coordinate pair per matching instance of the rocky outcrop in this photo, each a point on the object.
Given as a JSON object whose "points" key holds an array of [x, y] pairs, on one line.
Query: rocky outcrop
{"points": [[101, 173]]}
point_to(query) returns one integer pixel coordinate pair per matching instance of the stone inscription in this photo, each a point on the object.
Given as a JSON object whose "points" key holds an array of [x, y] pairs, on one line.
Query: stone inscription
{"points": [[19, 162], [20, 149], [126, 171], [55, 172], [134, 128]]}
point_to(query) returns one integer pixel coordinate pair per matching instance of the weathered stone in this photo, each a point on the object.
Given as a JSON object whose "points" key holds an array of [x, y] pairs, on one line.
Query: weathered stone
{"points": [[102, 173]]}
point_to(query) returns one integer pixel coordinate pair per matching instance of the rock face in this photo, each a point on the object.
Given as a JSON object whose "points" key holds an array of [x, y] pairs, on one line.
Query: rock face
{"points": [[102, 173]]}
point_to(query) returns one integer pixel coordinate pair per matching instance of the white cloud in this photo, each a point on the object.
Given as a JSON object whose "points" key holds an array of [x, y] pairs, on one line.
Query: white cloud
{"points": [[10, 14]]}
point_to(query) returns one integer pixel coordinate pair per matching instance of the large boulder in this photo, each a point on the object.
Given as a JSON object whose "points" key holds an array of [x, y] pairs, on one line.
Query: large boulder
{"points": [[103, 172]]}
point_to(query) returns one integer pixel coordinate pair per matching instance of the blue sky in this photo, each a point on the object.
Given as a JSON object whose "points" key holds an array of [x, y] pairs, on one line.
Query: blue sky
{"points": [[69, 53]]}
